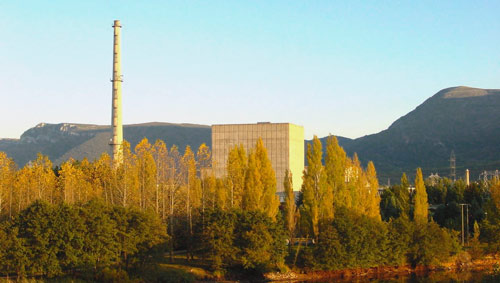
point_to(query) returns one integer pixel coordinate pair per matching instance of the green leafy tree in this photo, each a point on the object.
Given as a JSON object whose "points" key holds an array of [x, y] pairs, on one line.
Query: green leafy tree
{"points": [[261, 241], [216, 239], [35, 225], [431, 245]]}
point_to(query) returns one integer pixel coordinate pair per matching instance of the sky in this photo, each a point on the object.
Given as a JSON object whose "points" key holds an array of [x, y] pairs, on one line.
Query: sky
{"points": [[347, 68]]}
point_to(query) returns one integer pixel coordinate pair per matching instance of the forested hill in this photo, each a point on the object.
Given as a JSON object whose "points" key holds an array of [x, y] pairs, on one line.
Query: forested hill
{"points": [[463, 119], [63, 141]]}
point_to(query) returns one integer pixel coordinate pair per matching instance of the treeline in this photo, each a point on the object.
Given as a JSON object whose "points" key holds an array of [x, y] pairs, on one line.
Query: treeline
{"points": [[46, 240], [236, 222]]}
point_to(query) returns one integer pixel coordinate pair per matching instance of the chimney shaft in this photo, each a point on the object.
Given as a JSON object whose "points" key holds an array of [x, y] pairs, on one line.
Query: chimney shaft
{"points": [[116, 115], [467, 180]]}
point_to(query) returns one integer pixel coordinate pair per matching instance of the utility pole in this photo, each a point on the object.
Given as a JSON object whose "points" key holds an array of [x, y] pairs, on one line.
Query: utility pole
{"points": [[463, 232]]}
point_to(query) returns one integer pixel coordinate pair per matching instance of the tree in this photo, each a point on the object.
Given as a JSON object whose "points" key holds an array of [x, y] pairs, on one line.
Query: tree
{"points": [[260, 183], [421, 206], [403, 195], [103, 177], [236, 169], [192, 192], [290, 209], [7, 177], [475, 249], [146, 174], [335, 166], [317, 196], [125, 178], [73, 183], [372, 208], [204, 159], [174, 181], [13, 251]]}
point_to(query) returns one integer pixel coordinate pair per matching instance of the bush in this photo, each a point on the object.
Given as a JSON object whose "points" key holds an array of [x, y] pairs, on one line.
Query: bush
{"points": [[351, 241], [431, 244], [242, 239]]}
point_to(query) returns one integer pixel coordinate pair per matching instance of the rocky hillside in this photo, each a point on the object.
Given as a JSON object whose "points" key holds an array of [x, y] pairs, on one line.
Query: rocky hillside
{"points": [[63, 141]]}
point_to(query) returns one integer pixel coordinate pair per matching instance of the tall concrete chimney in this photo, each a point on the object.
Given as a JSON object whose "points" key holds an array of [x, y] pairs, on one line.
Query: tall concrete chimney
{"points": [[116, 115], [467, 180]]}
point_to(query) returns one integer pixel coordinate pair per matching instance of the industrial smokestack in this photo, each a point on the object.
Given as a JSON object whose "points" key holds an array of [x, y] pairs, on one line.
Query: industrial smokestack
{"points": [[116, 115], [467, 181]]}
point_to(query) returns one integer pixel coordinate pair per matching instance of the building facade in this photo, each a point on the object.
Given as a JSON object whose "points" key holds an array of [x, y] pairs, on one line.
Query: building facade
{"points": [[284, 143]]}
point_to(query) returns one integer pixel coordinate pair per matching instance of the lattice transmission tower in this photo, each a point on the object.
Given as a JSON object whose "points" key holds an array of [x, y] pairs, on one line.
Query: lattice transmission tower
{"points": [[453, 166]]}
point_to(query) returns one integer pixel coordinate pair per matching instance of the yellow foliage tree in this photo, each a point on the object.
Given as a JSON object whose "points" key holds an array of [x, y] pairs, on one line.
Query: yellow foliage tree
{"points": [[260, 183], [236, 169], [7, 178], [146, 174], [421, 210], [317, 195]]}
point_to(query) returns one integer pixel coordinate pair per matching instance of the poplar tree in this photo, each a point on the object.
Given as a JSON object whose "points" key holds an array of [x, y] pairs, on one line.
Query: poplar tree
{"points": [[317, 196], [204, 158], [402, 193], [68, 181], [146, 173], [174, 181], [290, 208], [357, 185], [373, 204], [260, 183], [125, 177], [421, 212], [7, 175], [160, 154], [335, 166], [236, 169], [192, 192], [41, 179]]}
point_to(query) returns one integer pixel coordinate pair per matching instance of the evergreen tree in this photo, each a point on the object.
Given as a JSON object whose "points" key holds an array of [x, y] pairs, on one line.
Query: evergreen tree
{"points": [[421, 206]]}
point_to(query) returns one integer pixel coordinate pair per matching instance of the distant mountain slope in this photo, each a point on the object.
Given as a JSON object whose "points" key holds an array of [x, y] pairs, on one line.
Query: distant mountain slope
{"points": [[62, 141], [463, 119]]}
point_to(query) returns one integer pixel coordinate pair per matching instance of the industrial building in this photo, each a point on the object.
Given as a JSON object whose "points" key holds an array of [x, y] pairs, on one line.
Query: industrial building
{"points": [[284, 143]]}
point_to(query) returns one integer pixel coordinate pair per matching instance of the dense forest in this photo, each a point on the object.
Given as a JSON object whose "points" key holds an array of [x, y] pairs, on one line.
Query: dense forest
{"points": [[103, 221]]}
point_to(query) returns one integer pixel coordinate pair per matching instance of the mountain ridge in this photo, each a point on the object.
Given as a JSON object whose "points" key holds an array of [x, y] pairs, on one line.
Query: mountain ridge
{"points": [[460, 119]]}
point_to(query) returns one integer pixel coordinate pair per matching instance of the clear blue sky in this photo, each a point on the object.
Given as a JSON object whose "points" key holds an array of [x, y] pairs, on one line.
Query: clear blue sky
{"points": [[346, 68]]}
